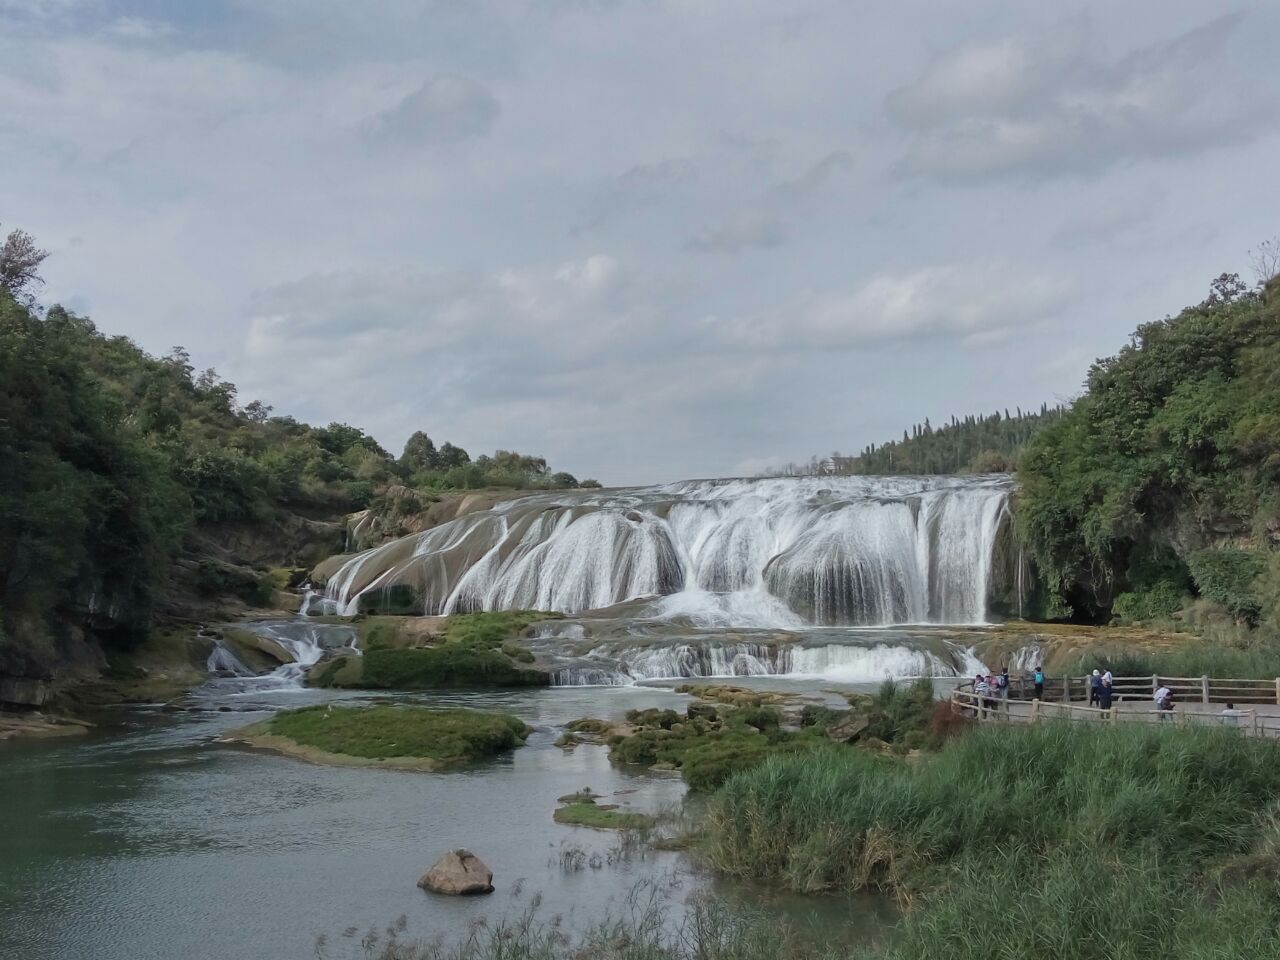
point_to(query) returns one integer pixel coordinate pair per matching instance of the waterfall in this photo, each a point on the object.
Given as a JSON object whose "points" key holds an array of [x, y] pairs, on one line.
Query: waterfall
{"points": [[838, 662], [781, 552]]}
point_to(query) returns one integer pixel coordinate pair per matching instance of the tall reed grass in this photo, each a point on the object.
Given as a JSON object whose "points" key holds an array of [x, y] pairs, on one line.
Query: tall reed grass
{"points": [[846, 819]]}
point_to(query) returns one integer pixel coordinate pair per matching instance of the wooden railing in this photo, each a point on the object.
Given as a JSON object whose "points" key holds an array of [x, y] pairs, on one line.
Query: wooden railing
{"points": [[999, 709], [1185, 689]]}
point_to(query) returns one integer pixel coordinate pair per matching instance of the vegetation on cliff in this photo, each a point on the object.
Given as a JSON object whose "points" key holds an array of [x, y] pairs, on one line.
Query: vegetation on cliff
{"points": [[392, 731], [1163, 478], [129, 482]]}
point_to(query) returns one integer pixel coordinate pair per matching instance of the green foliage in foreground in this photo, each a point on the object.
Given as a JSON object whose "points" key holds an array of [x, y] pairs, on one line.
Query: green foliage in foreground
{"points": [[646, 927], [846, 819], [389, 730], [1087, 906]]}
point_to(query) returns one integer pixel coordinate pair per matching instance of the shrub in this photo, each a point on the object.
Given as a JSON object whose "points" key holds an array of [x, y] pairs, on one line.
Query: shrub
{"points": [[1229, 578]]}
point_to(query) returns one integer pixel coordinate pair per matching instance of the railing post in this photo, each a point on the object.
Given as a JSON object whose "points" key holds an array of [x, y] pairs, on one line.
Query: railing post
{"points": [[1035, 711], [1066, 688], [1204, 690], [1278, 690], [1155, 684]]}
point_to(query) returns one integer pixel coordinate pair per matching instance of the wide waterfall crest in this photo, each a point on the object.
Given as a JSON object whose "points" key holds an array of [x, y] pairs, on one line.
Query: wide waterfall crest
{"points": [[782, 552]]}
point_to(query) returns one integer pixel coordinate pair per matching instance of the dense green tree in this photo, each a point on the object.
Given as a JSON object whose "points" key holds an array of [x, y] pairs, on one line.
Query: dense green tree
{"points": [[1174, 447], [420, 453]]}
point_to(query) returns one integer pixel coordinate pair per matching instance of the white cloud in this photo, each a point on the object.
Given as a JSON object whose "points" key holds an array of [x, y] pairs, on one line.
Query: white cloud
{"points": [[445, 109], [1050, 103], [974, 303]]}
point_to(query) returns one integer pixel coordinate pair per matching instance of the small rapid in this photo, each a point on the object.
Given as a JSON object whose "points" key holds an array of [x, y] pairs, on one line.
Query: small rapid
{"points": [[304, 643]]}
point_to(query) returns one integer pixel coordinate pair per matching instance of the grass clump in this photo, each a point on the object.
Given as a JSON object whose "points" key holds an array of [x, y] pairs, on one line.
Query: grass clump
{"points": [[1086, 907], [847, 819], [600, 816], [386, 731]]}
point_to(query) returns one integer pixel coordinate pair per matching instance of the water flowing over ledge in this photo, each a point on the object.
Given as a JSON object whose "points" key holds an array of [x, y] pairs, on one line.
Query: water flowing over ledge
{"points": [[785, 552]]}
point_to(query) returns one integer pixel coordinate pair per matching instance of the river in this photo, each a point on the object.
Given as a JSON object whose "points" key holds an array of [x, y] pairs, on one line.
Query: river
{"points": [[150, 839]]}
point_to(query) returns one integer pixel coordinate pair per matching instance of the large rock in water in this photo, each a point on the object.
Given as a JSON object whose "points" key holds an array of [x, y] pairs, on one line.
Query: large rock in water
{"points": [[458, 872]]}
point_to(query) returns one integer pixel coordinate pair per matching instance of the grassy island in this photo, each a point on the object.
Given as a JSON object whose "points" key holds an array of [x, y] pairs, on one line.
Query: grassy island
{"points": [[390, 735], [582, 810]]}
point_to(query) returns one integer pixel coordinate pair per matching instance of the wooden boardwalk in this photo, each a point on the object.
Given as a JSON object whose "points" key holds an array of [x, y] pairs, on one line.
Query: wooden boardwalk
{"points": [[1197, 700]]}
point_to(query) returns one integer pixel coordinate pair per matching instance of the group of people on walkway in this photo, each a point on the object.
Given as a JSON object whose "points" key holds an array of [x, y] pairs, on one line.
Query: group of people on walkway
{"points": [[991, 692]]}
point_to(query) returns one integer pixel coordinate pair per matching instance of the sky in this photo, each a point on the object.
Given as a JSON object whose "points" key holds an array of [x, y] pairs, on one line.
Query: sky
{"points": [[646, 239]]}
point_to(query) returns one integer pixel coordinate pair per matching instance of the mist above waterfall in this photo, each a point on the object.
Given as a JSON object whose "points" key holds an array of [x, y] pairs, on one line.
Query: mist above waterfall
{"points": [[783, 552]]}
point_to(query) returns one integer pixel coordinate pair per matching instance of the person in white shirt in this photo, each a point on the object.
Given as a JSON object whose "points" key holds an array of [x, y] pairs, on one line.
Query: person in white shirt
{"points": [[1164, 700], [1231, 717]]}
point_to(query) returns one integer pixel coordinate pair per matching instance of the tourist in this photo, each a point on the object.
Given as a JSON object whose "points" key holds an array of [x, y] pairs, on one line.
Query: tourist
{"points": [[1104, 694], [981, 690], [1002, 688], [1038, 676], [1107, 677], [1231, 717], [1095, 688], [1164, 702]]}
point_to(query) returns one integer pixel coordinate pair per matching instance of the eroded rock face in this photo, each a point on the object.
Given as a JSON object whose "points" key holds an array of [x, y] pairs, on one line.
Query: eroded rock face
{"points": [[458, 873], [24, 691]]}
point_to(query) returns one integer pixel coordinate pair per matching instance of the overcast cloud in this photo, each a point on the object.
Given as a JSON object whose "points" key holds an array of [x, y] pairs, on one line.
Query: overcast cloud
{"points": [[647, 239]]}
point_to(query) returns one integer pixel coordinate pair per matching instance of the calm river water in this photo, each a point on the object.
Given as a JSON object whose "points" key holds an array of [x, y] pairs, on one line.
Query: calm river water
{"points": [[148, 839]]}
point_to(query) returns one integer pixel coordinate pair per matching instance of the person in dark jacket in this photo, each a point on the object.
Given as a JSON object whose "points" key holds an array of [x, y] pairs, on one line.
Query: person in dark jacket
{"points": [[1104, 694], [1038, 676], [1095, 688]]}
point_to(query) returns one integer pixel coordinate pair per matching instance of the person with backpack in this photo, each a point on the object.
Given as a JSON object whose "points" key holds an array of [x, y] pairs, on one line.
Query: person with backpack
{"points": [[1038, 677], [1164, 702], [1002, 688]]}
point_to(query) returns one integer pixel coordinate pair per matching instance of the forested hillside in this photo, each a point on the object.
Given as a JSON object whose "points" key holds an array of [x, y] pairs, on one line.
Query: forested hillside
{"points": [[974, 444], [1163, 479], [127, 480]]}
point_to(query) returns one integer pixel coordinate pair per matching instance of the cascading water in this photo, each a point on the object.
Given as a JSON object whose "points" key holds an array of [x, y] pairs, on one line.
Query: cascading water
{"points": [[783, 552], [843, 661], [306, 643]]}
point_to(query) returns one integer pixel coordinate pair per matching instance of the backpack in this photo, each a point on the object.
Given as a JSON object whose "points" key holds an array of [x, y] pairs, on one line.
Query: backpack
{"points": [[1001, 682], [1039, 676]]}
